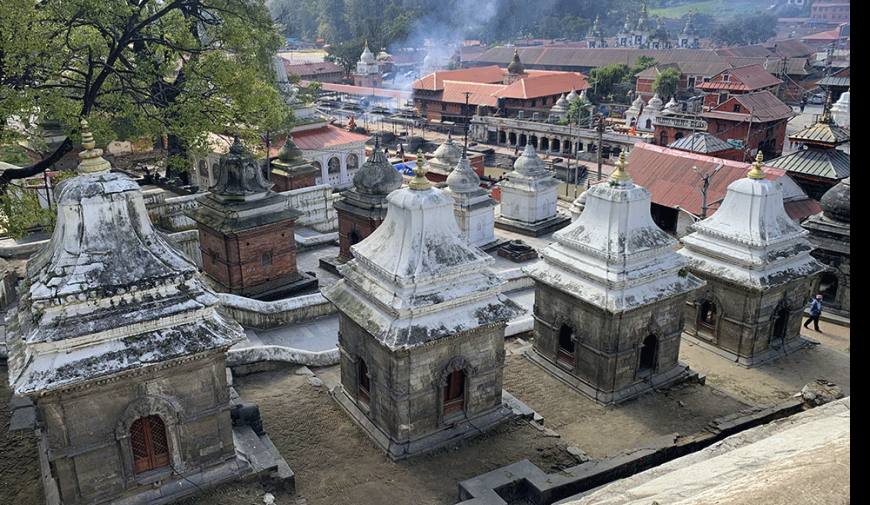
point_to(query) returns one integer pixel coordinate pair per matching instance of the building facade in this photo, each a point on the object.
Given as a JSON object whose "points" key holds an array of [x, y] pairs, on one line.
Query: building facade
{"points": [[830, 233]]}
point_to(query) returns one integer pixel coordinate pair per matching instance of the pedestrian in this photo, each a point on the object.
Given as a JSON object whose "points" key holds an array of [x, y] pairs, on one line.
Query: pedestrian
{"points": [[815, 313], [803, 103]]}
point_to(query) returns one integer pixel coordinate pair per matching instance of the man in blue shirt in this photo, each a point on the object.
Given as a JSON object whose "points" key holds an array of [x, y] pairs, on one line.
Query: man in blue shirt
{"points": [[815, 312]]}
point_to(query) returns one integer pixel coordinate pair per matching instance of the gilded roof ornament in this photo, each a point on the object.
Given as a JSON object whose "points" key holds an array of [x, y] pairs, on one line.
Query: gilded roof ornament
{"points": [[91, 158], [420, 182], [756, 172], [620, 175]]}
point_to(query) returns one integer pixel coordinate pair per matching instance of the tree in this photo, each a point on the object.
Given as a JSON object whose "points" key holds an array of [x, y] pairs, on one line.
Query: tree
{"points": [[608, 81], [579, 111], [744, 30], [666, 83], [179, 68]]}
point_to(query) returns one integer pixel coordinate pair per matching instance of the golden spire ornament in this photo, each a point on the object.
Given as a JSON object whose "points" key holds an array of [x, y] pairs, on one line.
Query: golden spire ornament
{"points": [[756, 172], [420, 182], [91, 158], [620, 175]]}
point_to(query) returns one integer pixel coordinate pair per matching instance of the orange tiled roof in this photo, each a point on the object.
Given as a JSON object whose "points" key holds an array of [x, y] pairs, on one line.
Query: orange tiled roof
{"points": [[544, 85], [324, 137]]}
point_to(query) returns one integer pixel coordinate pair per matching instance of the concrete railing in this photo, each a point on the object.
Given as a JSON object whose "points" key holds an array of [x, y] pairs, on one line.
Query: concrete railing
{"points": [[265, 315], [277, 353]]}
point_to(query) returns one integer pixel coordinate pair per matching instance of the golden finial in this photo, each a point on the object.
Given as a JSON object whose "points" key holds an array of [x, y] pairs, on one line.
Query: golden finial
{"points": [[91, 158], [756, 172], [620, 175], [420, 182]]}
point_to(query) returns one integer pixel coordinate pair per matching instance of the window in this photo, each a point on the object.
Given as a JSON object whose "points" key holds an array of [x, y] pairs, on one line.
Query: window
{"points": [[534, 103], [736, 107], [691, 82], [722, 97], [649, 124], [726, 78], [444, 107], [780, 325], [334, 166], [149, 444], [454, 393], [663, 138], [565, 353], [364, 382], [266, 259]]}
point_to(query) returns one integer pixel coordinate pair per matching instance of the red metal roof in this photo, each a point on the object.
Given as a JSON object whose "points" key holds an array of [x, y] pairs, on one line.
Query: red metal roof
{"points": [[323, 137], [481, 94], [317, 68], [544, 85], [747, 78], [802, 209], [668, 175]]}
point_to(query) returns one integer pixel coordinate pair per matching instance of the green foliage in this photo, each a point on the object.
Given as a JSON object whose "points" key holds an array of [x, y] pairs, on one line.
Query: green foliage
{"points": [[579, 111], [20, 212], [148, 68], [14, 154], [744, 30], [666, 83]]}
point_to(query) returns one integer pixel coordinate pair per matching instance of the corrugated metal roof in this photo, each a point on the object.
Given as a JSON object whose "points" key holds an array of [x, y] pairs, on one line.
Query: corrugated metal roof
{"points": [[326, 136], [825, 163], [362, 90], [668, 175], [842, 82], [822, 133], [802, 209], [746, 78], [701, 142]]}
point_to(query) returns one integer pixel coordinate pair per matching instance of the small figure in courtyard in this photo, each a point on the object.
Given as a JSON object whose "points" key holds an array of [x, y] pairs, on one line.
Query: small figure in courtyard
{"points": [[803, 102], [815, 313]]}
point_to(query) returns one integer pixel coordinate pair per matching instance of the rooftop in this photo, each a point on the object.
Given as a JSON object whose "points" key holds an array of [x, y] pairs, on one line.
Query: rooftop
{"points": [[761, 106], [701, 142], [747, 78], [827, 163], [313, 68], [668, 174], [320, 138], [486, 84]]}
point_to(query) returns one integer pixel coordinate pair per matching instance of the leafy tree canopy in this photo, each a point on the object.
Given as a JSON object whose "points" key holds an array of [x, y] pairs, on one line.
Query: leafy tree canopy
{"points": [[750, 29], [666, 83], [180, 68]]}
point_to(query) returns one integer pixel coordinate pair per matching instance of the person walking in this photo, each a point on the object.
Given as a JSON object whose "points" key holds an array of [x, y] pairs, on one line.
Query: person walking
{"points": [[815, 313], [803, 102]]}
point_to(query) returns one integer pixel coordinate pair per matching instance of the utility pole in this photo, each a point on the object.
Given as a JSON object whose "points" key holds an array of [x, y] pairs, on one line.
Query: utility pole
{"points": [[600, 128], [467, 120], [705, 186]]}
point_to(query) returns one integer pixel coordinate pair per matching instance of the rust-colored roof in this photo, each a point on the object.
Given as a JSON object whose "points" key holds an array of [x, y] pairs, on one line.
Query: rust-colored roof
{"points": [[435, 80], [747, 78], [317, 68], [481, 93], [544, 85], [824, 36], [668, 175], [325, 137], [763, 106]]}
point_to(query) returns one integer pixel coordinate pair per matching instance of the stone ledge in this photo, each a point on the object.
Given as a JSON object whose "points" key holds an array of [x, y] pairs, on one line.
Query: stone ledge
{"points": [[793, 345], [278, 353], [533, 229]]}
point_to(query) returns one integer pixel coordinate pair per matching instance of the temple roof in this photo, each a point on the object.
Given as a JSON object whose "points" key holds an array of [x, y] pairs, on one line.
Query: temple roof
{"points": [[614, 256], [516, 66], [414, 279], [239, 177], [836, 202], [751, 240], [701, 142], [829, 163], [463, 179], [824, 133], [447, 155], [107, 293], [377, 176]]}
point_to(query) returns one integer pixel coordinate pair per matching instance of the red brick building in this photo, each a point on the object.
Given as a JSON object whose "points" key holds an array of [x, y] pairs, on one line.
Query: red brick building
{"points": [[289, 170], [441, 95], [246, 232], [831, 12], [691, 75], [738, 81], [751, 121]]}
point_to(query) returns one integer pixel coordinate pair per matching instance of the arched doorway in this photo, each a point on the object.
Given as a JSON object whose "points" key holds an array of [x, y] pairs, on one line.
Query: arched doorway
{"points": [[454, 393], [648, 351], [663, 138], [352, 162], [333, 169], [522, 142], [534, 141], [565, 353], [149, 444], [648, 125], [557, 146], [707, 318], [354, 237], [828, 285], [545, 144], [363, 381], [512, 138], [502, 138]]}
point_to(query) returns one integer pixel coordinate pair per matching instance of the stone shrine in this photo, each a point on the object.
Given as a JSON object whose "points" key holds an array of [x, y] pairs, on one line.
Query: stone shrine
{"points": [[830, 233], [421, 329], [122, 350], [445, 157], [290, 171], [609, 297], [246, 232], [840, 111], [363, 208], [759, 272], [472, 205], [528, 197]]}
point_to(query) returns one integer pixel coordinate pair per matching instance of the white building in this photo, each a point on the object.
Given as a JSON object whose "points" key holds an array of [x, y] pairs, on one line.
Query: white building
{"points": [[472, 205], [528, 197]]}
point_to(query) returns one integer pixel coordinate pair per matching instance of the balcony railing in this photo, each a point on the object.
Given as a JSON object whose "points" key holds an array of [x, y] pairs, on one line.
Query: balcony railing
{"points": [[686, 123]]}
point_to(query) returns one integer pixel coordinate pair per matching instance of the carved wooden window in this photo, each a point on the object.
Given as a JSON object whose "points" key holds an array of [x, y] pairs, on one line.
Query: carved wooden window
{"points": [[364, 382], [454, 392], [149, 443], [566, 345]]}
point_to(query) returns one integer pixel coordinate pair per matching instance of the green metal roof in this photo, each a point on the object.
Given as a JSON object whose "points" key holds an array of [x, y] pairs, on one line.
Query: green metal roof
{"points": [[827, 163]]}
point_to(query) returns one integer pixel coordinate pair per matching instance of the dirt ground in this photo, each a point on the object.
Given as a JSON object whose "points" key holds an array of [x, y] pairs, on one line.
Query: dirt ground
{"points": [[335, 463]]}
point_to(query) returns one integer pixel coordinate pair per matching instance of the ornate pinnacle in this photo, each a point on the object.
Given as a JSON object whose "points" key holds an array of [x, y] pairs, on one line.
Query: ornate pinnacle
{"points": [[91, 158], [420, 182], [620, 175], [756, 172]]}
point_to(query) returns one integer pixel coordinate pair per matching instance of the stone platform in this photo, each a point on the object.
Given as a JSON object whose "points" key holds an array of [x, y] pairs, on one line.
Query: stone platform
{"points": [[771, 354], [677, 374], [461, 429], [331, 264], [555, 223]]}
